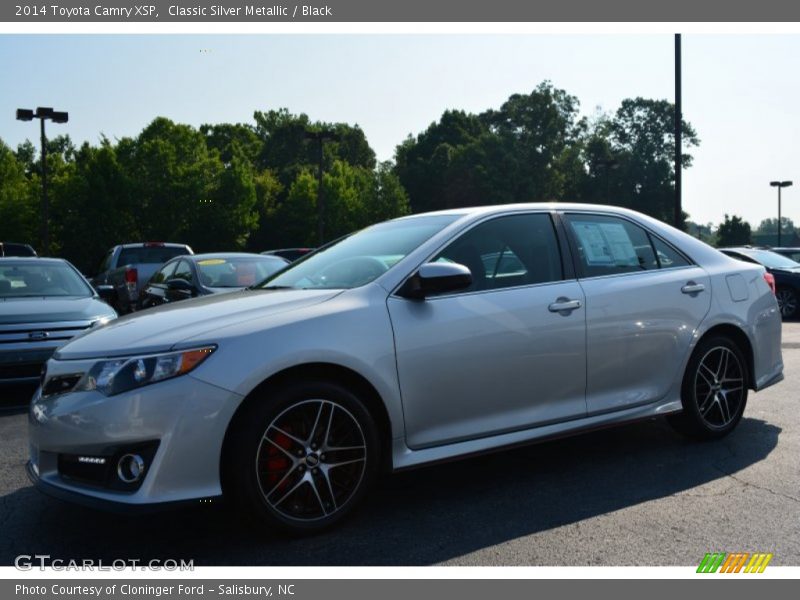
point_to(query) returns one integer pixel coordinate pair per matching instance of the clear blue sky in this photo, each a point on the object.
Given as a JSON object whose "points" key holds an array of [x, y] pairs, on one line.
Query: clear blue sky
{"points": [[741, 93]]}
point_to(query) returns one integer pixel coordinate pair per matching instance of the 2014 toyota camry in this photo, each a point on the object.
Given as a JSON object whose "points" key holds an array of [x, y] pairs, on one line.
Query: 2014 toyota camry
{"points": [[416, 340]]}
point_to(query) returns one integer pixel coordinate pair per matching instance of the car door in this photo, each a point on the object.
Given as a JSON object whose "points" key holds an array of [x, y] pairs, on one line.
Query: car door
{"points": [[155, 290], [644, 301], [505, 354]]}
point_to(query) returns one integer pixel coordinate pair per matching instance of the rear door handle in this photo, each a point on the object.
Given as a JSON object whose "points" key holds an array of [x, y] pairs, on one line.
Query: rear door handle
{"points": [[693, 288], [564, 306]]}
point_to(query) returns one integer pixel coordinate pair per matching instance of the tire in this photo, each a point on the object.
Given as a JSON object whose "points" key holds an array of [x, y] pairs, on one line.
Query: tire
{"points": [[302, 457], [714, 392], [787, 302]]}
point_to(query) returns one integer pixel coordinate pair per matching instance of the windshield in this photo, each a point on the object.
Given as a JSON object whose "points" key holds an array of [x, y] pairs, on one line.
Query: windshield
{"points": [[362, 257], [233, 272], [19, 279], [773, 260]]}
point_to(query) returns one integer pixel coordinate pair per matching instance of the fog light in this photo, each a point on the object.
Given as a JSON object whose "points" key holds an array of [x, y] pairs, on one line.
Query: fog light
{"points": [[130, 468]]}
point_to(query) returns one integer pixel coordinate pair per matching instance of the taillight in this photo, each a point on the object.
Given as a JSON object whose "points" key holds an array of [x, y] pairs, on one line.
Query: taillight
{"points": [[770, 279], [131, 275]]}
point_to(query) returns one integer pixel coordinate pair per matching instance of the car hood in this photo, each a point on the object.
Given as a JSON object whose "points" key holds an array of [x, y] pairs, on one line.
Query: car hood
{"points": [[159, 329], [52, 309]]}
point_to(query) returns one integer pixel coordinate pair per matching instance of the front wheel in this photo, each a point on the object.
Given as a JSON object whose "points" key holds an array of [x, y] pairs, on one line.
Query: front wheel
{"points": [[714, 391], [304, 457]]}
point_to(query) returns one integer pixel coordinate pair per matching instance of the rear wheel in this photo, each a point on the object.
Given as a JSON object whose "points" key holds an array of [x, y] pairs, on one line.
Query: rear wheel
{"points": [[714, 391], [304, 457], [787, 302]]}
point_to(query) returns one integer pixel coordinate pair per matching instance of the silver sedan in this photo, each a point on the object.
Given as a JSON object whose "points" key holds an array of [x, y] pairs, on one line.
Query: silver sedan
{"points": [[416, 340]]}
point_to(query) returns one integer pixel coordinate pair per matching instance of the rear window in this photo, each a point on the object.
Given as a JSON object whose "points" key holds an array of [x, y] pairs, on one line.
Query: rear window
{"points": [[150, 255]]}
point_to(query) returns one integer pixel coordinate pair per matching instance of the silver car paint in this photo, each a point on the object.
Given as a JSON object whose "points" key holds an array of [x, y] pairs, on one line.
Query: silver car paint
{"points": [[483, 363], [259, 334]]}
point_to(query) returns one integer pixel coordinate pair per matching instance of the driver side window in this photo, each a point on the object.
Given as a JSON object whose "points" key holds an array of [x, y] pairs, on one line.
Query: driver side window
{"points": [[507, 252]]}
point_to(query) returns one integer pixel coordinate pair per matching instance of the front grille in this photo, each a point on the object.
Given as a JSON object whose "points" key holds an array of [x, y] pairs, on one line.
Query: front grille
{"points": [[18, 371], [41, 332]]}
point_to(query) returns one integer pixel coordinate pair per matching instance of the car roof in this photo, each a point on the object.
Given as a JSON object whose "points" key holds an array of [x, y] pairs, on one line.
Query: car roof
{"points": [[503, 208]]}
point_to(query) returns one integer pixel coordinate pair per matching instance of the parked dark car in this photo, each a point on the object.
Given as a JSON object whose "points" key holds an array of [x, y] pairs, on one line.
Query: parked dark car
{"points": [[44, 302], [793, 253], [15, 249], [290, 254], [127, 267], [202, 274], [785, 271]]}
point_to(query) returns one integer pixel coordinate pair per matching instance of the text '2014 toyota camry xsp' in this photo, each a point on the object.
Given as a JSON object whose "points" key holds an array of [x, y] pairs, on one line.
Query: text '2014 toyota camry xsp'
{"points": [[415, 340]]}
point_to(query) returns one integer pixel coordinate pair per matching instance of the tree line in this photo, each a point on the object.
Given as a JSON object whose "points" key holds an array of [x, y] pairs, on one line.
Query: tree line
{"points": [[253, 186]]}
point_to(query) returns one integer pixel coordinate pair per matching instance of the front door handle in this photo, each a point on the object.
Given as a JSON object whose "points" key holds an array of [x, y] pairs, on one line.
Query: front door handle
{"points": [[693, 288], [564, 306]]}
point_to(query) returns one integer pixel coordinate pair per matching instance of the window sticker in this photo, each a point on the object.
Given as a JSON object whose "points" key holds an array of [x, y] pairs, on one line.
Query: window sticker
{"points": [[605, 244]]}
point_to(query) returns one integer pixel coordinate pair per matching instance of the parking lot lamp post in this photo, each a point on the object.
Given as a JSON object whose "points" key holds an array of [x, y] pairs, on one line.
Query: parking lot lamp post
{"points": [[43, 113], [779, 185], [320, 137]]}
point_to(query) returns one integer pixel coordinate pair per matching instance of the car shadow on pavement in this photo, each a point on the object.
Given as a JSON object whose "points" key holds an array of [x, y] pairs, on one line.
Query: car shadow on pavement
{"points": [[416, 517]]}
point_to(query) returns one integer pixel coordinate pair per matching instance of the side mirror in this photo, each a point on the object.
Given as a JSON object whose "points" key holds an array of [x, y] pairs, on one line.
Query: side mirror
{"points": [[181, 286], [107, 293], [436, 278]]}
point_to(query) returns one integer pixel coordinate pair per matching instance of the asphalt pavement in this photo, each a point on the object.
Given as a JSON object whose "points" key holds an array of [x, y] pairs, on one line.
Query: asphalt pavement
{"points": [[635, 495]]}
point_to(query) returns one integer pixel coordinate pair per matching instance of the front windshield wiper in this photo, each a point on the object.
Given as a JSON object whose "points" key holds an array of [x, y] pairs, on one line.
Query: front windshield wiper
{"points": [[274, 287]]}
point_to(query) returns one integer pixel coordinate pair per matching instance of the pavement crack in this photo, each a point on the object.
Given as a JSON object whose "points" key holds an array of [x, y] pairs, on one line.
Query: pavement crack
{"points": [[746, 483]]}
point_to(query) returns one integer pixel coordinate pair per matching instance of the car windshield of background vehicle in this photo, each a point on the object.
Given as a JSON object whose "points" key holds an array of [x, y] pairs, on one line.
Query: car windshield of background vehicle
{"points": [[27, 280], [155, 255], [362, 257], [237, 272], [773, 260]]}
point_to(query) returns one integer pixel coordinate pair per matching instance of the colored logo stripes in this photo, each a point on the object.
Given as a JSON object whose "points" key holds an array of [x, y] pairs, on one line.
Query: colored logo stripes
{"points": [[736, 562]]}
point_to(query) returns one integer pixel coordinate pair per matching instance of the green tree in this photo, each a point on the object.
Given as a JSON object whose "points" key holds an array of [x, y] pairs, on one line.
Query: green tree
{"points": [[93, 207], [19, 200], [733, 231], [642, 141]]}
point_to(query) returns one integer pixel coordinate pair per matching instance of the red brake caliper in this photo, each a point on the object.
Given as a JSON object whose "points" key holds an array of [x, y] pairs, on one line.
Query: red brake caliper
{"points": [[277, 461]]}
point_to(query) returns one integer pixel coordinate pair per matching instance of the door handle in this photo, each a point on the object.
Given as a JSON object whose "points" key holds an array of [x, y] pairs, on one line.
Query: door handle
{"points": [[564, 306], [693, 288]]}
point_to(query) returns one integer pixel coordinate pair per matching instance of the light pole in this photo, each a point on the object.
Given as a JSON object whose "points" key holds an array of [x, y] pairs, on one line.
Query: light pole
{"points": [[43, 113], [678, 216], [320, 137], [780, 185]]}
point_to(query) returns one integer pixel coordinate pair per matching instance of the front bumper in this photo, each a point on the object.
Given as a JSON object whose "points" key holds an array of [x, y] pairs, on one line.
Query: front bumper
{"points": [[187, 418]]}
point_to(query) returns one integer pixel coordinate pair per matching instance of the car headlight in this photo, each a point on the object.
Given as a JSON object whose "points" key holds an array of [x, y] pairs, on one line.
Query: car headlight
{"points": [[118, 375], [101, 321]]}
